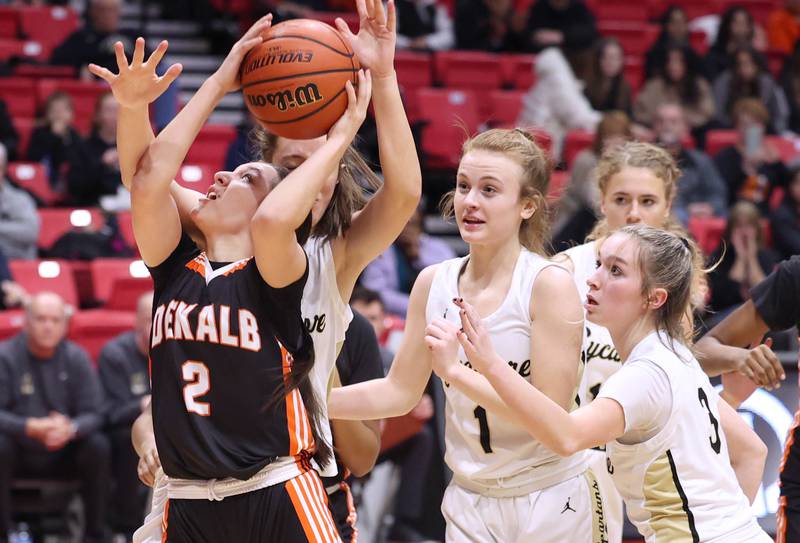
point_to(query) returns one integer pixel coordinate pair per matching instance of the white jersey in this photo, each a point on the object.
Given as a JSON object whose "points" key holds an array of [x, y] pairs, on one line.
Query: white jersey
{"points": [[600, 356], [480, 446], [679, 484], [327, 317]]}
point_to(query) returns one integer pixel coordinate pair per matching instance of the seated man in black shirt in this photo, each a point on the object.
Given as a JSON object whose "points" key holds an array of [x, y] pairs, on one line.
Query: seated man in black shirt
{"points": [[124, 374], [728, 347], [51, 412]]}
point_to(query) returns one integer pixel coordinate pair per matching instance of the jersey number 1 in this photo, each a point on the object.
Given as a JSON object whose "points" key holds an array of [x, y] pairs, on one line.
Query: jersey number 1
{"points": [[483, 424], [198, 383], [716, 443]]}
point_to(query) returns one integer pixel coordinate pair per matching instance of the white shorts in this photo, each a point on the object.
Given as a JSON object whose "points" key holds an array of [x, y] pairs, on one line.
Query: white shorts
{"points": [[612, 501], [153, 527], [569, 511]]}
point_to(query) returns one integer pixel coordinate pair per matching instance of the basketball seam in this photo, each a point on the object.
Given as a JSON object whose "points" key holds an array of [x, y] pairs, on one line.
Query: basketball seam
{"points": [[309, 114], [323, 44], [352, 57], [294, 76]]}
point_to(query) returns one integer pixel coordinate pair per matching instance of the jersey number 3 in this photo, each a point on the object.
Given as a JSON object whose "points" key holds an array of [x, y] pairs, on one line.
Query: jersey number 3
{"points": [[198, 383], [716, 443]]}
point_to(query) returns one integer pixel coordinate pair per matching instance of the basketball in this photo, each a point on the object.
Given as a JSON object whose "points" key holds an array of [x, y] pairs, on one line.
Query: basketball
{"points": [[294, 82]]}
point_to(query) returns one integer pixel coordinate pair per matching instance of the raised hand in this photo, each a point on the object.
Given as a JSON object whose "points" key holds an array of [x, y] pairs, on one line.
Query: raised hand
{"points": [[474, 337], [137, 84], [442, 341], [357, 104], [228, 75], [375, 42]]}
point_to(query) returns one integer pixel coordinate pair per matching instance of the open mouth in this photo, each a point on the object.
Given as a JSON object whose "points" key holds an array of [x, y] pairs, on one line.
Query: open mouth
{"points": [[473, 221], [590, 300]]}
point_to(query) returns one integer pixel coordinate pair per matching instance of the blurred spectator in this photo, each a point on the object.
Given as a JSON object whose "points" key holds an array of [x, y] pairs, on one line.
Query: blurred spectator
{"points": [[785, 219], [737, 29], [790, 83], [8, 134], [783, 27], [567, 24], [240, 149], [368, 303], [578, 207], [606, 86], [94, 165], [489, 25], [701, 190], [393, 273], [679, 80], [742, 260], [19, 221], [674, 31], [11, 293], [556, 102], [423, 24], [94, 42], [752, 167], [749, 78], [51, 412], [55, 139], [124, 374]]}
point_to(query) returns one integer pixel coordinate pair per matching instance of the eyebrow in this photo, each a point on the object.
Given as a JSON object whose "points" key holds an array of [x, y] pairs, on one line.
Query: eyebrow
{"points": [[625, 193], [615, 260]]}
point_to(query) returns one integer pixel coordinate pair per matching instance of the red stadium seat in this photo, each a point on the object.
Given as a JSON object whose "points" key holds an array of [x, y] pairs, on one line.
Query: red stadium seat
{"points": [[329, 17], [195, 176], [575, 142], [94, 328], [11, 48], [32, 177], [635, 39], [126, 229], [518, 71], [621, 10], [46, 275], [558, 182], [118, 282], [788, 148], [211, 145], [39, 71], [414, 70], [759, 9], [57, 222], [707, 232], [84, 97], [11, 323], [9, 22], [24, 126], [474, 70], [506, 106], [716, 140], [48, 25], [451, 117], [19, 95], [693, 8]]}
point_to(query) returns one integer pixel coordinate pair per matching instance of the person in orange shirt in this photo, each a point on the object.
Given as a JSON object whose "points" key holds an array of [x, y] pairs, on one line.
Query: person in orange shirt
{"points": [[783, 26]]}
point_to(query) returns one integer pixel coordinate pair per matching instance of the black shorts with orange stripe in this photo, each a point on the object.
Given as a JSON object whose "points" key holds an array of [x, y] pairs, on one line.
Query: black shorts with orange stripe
{"points": [[343, 510], [788, 517], [292, 512]]}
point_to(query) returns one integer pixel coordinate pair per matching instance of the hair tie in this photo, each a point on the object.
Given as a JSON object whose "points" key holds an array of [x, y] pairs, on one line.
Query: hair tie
{"points": [[685, 242]]}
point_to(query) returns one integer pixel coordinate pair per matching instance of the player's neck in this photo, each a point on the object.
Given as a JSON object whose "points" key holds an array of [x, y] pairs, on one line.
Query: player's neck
{"points": [[488, 261], [229, 247], [627, 337]]}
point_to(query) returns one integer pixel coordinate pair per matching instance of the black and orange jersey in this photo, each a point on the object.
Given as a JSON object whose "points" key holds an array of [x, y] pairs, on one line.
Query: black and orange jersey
{"points": [[221, 343]]}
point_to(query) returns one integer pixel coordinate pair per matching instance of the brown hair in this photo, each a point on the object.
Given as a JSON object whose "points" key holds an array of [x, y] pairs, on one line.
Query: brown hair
{"points": [[518, 145], [666, 260], [349, 196], [613, 123], [97, 105], [745, 212], [752, 107], [55, 97]]}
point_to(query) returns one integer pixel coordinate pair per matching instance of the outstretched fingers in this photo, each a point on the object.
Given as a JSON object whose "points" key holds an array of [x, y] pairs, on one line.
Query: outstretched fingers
{"points": [[391, 16], [103, 73], [170, 75], [122, 60], [138, 52], [158, 54], [258, 27]]}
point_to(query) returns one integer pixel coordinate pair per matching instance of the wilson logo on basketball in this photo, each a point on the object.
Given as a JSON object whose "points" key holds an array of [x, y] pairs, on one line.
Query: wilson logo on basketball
{"points": [[287, 99], [283, 57]]}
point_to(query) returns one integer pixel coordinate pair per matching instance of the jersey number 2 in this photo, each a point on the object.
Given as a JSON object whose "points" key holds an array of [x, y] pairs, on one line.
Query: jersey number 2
{"points": [[483, 424], [716, 443], [198, 383]]}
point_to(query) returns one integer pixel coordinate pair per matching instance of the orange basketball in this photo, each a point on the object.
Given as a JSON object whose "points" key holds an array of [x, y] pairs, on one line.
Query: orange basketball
{"points": [[294, 82]]}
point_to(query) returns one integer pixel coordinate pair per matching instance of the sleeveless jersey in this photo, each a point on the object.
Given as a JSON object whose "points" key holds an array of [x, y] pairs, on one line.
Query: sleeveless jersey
{"points": [[326, 317], [679, 484], [599, 355], [221, 343], [482, 447]]}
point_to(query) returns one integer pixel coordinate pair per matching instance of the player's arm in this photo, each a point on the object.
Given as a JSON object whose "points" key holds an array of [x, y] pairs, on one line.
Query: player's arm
{"points": [[746, 451], [383, 218], [135, 86], [725, 348], [280, 259], [144, 442], [398, 392], [357, 442]]}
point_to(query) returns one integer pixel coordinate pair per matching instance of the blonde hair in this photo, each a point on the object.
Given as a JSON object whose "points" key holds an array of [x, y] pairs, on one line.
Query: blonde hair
{"points": [[519, 146], [356, 179]]}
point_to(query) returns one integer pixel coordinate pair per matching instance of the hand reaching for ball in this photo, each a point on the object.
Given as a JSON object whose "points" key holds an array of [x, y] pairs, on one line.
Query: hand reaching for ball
{"points": [[228, 74], [375, 42], [137, 84], [357, 104]]}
